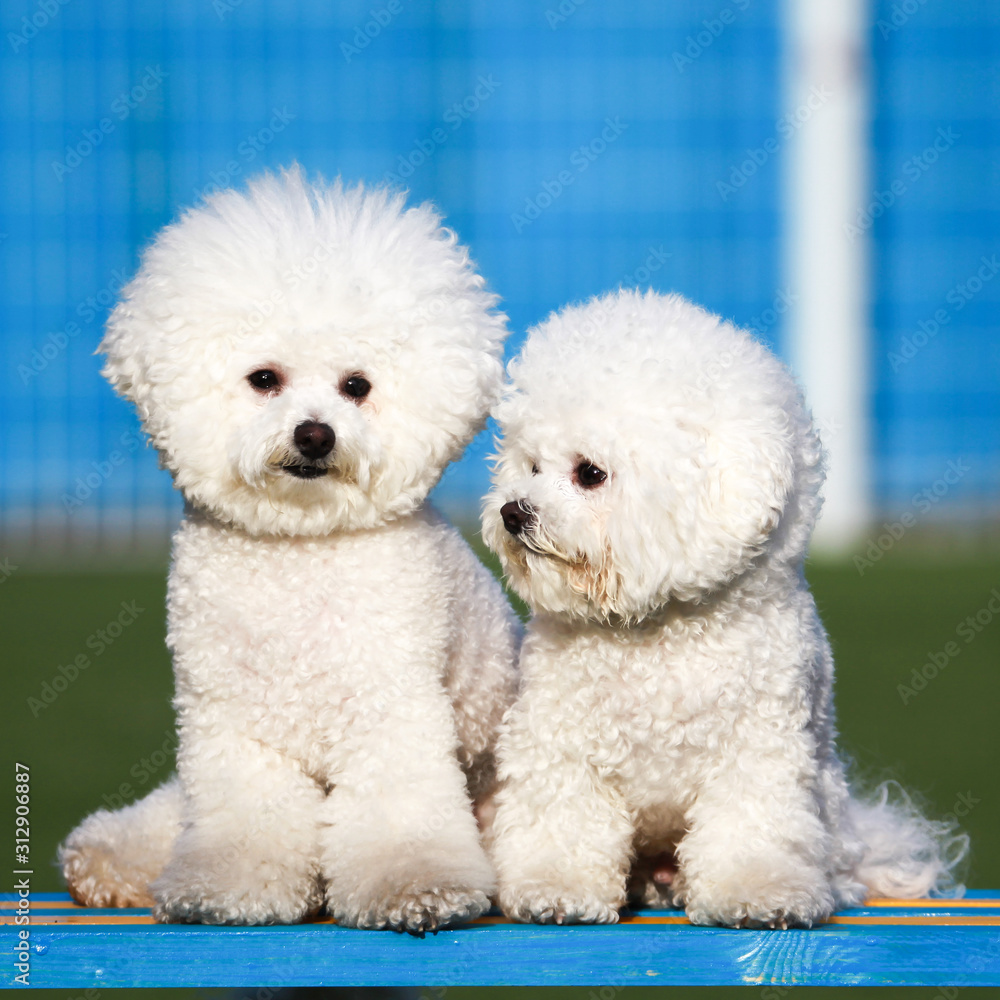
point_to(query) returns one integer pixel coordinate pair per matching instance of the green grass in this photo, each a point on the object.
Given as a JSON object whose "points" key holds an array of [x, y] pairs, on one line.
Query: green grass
{"points": [[942, 741], [110, 725]]}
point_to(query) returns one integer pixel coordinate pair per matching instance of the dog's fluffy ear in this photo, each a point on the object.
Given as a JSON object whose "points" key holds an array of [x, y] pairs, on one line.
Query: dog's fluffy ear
{"points": [[129, 362], [123, 367], [749, 475], [724, 495]]}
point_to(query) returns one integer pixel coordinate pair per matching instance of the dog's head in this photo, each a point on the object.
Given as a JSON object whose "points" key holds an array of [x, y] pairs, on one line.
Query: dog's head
{"points": [[650, 452], [307, 358]]}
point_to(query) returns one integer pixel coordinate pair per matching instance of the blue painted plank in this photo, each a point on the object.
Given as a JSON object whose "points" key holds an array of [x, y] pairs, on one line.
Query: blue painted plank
{"points": [[908, 954]]}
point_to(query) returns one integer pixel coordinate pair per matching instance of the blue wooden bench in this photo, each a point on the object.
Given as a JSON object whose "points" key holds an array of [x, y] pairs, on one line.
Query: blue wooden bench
{"points": [[888, 942]]}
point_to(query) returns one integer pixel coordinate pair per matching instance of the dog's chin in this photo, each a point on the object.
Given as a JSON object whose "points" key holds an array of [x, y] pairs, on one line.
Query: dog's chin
{"points": [[305, 471], [549, 580], [526, 564]]}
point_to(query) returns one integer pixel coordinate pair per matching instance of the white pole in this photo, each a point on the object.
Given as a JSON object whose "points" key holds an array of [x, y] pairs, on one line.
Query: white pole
{"points": [[827, 183]]}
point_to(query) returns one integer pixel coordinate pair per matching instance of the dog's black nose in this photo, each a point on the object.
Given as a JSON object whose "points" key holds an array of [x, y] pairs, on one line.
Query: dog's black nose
{"points": [[314, 440], [517, 516]]}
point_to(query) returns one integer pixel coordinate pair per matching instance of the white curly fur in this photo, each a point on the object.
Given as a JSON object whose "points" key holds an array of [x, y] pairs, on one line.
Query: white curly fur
{"points": [[676, 678], [342, 659]]}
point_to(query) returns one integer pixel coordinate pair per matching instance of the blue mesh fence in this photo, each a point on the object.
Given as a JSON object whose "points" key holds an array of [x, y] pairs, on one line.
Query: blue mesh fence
{"points": [[573, 145], [934, 216]]}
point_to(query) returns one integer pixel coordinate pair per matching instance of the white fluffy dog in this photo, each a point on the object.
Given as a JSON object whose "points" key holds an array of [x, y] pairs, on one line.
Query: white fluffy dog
{"points": [[654, 494], [307, 359]]}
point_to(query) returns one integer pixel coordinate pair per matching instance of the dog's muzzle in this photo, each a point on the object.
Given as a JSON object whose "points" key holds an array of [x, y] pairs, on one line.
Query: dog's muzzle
{"points": [[518, 516]]}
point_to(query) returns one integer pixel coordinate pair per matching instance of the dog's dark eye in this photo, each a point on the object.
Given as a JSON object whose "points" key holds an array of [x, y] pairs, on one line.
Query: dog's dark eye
{"points": [[265, 380], [356, 386], [534, 470], [588, 474]]}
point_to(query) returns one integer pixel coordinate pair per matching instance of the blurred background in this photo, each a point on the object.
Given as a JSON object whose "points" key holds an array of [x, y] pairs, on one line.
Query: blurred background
{"points": [[825, 173], [575, 146]]}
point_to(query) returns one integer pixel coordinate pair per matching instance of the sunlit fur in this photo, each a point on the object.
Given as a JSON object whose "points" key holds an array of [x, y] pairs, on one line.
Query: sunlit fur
{"points": [[677, 680], [323, 281], [342, 659]]}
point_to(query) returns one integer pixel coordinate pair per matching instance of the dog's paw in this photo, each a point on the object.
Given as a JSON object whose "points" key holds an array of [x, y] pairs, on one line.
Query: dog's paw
{"points": [[111, 857], [240, 891], [415, 909], [96, 877], [778, 900], [193, 904], [541, 902]]}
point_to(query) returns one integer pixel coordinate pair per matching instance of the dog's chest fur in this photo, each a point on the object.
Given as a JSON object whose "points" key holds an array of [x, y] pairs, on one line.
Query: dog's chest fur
{"points": [[654, 707], [294, 637]]}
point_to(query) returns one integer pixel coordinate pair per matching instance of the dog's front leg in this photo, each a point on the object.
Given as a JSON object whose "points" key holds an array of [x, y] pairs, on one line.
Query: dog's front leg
{"points": [[562, 837], [756, 852], [400, 848], [247, 851]]}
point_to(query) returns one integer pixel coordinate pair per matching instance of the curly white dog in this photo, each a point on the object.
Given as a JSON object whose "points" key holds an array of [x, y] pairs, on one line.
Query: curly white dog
{"points": [[656, 487], [307, 359]]}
